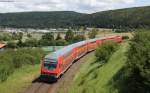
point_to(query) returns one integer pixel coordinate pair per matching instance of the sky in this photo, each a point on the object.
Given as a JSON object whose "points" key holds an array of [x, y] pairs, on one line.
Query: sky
{"points": [[82, 6]]}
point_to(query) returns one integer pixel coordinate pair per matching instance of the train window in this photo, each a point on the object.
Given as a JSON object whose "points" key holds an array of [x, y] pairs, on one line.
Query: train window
{"points": [[50, 65]]}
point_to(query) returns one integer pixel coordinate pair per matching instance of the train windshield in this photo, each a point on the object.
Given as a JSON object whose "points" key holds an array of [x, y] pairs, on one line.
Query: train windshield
{"points": [[50, 64]]}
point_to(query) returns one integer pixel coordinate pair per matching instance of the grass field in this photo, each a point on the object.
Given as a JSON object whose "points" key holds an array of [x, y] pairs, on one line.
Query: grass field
{"points": [[20, 79], [95, 77]]}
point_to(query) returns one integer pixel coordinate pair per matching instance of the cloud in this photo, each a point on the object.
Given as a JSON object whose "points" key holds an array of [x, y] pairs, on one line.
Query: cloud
{"points": [[87, 6]]}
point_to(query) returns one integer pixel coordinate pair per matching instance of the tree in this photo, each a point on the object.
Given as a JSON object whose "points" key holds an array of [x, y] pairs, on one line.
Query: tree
{"points": [[17, 36], [69, 36], [32, 42], [5, 37], [61, 42], [20, 35], [93, 33], [12, 44], [58, 37], [78, 38], [20, 43], [14, 36], [47, 40], [29, 35], [48, 36], [138, 63]]}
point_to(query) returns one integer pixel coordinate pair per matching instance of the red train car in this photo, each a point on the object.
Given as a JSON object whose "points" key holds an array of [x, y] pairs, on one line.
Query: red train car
{"points": [[55, 64], [91, 44]]}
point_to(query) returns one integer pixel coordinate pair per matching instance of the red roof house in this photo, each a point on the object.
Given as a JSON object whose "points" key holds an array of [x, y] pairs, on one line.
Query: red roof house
{"points": [[2, 46]]}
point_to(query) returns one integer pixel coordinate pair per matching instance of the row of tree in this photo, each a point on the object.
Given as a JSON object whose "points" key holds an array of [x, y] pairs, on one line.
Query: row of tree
{"points": [[10, 36], [48, 39], [17, 39]]}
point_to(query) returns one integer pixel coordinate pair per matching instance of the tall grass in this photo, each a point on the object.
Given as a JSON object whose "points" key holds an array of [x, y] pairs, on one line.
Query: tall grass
{"points": [[20, 79], [10, 60]]}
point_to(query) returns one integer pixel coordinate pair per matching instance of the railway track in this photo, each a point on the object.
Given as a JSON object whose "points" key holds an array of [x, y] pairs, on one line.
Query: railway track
{"points": [[63, 82]]}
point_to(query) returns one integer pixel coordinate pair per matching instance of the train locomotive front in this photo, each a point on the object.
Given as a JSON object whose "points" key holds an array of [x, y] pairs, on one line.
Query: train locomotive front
{"points": [[50, 68]]}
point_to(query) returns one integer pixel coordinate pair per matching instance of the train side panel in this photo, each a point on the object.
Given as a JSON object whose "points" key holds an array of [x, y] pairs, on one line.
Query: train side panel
{"points": [[67, 61], [119, 39], [98, 42], [81, 50], [92, 45]]}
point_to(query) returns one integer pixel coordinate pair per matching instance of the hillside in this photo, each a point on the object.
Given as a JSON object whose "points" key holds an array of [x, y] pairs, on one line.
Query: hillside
{"points": [[130, 17]]}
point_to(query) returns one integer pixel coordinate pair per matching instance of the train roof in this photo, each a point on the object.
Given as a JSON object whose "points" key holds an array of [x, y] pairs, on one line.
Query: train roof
{"points": [[66, 49]]}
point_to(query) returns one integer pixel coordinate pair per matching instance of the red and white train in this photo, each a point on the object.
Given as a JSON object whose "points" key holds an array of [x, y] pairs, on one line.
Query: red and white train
{"points": [[55, 64]]}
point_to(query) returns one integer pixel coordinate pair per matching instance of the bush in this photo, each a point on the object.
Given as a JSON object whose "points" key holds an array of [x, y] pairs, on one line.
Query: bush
{"points": [[6, 67], [5, 37], [44, 42], [104, 51], [92, 34], [69, 36], [125, 37], [12, 44], [61, 42], [11, 60], [17, 36], [78, 38], [32, 42]]}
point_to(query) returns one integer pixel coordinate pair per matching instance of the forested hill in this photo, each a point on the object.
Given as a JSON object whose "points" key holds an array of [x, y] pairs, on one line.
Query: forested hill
{"points": [[130, 17], [39, 19]]}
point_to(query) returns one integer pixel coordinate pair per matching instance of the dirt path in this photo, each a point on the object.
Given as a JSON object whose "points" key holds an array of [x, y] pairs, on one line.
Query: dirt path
{"points": [[63, 82]]}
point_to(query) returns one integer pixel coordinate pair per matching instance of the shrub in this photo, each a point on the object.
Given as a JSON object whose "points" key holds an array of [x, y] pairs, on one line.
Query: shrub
{"points": [[12, 44], [93, 33], [48, 36], [78, 38], [20, 43], [6, 66], [32, 42], [29, 35], [125, 37], [46, 40], [61, 42], [104, 51], [69, 36], [5, 37]]}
